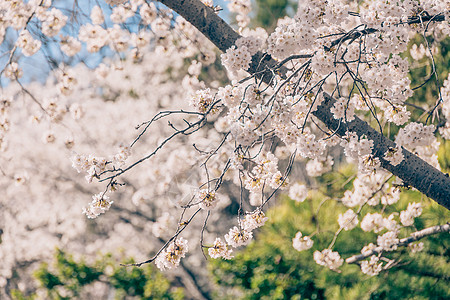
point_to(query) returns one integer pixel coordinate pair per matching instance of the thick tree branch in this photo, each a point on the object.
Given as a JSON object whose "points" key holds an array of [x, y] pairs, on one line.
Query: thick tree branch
{"points": [[415, 236], [413, 170]]}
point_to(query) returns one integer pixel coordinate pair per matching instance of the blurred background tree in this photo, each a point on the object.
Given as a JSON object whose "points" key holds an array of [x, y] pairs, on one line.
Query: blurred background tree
{"points": [[269, 11], [68, 278]]}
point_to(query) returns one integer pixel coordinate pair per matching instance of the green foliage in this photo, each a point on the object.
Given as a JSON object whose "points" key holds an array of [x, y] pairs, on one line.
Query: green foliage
{"points": [[444, 155], [67, 278], [270, 268], [421, 70], [269, 11]]}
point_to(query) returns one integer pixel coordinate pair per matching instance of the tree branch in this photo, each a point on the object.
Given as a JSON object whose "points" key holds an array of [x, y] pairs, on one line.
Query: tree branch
{"points": [[413, 170], [415, 236]]}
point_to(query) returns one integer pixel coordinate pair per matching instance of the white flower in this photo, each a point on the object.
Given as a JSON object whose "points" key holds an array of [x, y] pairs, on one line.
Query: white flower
{"points": [[70, 46], [208, 200], [391, 197], [148, 13], [302, 243], [97, 15], [298, 192], [371, 267], [368, 164], [220, 249], [308, 146], [12, 71], [368, 248], [252, 43], [119, 159], [390, 224], [328, 258], [348, 220], [29, 45], [76, 111], [94, 36], [55, 20], [69, 142], [254, 220], [201, 100], [413, 211], [48, 137], [255, 198], [171, 256], [238, 237], [67, 82], [319, 166], [365, 146], [388, 241], [21, 178], [394, 155], [100, 204], [344, 109], [397, 114], [230, 95], [416, 247], [278, 181], [414, 135], [235, 59], [372, 222]]}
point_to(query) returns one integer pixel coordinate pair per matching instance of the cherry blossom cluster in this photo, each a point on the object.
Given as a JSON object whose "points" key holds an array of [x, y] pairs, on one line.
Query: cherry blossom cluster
{"points": [[319, 166], [236, 58], [413, 211], [94, 166], [370, 189], [375, 222], [415, 135], [371, 267], [29, 45], [348, 220], [17, 14], [328, 258], [301, 243], [388, 241], [265, 172], [99, 205], [202, 100], [394, 155], [238, 235], [208, 200], [170, 257], [220, 250]]}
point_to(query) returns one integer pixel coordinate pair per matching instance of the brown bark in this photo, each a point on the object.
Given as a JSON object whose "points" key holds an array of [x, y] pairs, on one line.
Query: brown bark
{"points": [[413, 170]]}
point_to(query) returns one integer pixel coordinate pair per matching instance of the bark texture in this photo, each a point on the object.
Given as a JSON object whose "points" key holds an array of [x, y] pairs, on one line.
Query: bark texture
{"points": [[413, 170]]}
